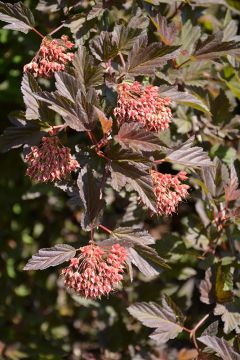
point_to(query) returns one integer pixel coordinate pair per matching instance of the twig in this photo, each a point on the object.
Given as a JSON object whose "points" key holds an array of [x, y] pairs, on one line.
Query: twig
{"points": [[122, 59], [194, 330], [55, 30], [183, 63], [105, 229], [37, 32]]}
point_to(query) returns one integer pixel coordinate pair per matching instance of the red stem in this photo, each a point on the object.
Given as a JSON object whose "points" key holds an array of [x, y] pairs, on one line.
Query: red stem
{"points": [[37, 32], [105, 229]]}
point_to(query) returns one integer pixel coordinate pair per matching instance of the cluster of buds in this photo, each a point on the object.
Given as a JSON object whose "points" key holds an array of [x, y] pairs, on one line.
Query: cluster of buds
{"points": [[142, 105], [52, 56], [96, 271], [51, 161], [169, 191]]}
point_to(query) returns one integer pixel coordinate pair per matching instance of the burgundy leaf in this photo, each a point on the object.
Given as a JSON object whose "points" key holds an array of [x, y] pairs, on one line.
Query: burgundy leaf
{"points": [[18, 16], [219, 346], [50, 257]]}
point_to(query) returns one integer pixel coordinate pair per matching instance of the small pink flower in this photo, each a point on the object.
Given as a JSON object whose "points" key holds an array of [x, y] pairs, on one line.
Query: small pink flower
{"points": [[52, 56], [51, 161], [95, 272], [143, 105], [169, 191]]}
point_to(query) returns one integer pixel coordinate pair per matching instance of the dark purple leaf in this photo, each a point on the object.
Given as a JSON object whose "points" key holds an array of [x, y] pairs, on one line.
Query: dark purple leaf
{"points": [[103, 46], [165, 317], [136, 138], [91, 196], [232, 191], [124, 36], [16, 136], [167, 32], [144, 59], [220, 347], [189, 155], [50, 257], [88, 73], [18, 16], [214, 47]]}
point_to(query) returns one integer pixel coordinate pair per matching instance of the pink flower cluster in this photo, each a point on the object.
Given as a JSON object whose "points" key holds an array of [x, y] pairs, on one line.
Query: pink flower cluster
{"points": [[143, 105], [51, 161], [169, 191], [95, 272], [52, 56]]}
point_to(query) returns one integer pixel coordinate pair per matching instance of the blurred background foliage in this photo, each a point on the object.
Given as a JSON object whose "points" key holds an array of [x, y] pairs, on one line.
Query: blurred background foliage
{"points": [[38, 319]]}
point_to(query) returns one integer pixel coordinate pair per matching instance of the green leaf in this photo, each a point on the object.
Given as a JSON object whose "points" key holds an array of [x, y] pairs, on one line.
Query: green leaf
{"points": [[220, 347], [18, 16], [165, 317], [50, 257], [91, 196], [144, 59]]}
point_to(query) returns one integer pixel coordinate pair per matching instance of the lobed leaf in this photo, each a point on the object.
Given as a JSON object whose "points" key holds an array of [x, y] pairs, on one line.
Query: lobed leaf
{"points": [[165, 317], [132, 136], [214, 47], [18, 16], [91, 196], [50, 257], [143, 59], [219, 346], [189, 156], [230, 316]]}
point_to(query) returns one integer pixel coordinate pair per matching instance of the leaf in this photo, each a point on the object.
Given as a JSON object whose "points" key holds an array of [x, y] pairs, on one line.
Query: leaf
{"points": [[230, 316], [50, 257], [18, 16], [67, 85], [132, 136], [219, 346], [206, 288], [16, 136], [35, 109], [184, 98], [137, 176], [222, 277], [91, 196], [78, 115], [145, 258], [234, 4], [167, 32], [232, 192], [214, 47], [85, 70], [165, 317], [96, 11], [143, 59], [103, 46], [220, 109], [124, 37], [189, 156], [212, 329], [106, 123], [130, 236]]}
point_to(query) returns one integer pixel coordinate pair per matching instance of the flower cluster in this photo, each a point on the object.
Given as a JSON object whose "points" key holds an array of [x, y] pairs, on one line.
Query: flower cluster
{"points": [[51, 161], [52, 56], [95, 272], [143, 105], [169, 191]]}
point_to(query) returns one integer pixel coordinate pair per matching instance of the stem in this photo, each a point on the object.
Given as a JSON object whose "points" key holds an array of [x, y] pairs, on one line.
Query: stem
{"points": [[122, 59], [92, 137], [105, 229], [183, 63], [194, 330], [55, 30], [37, 32]]}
